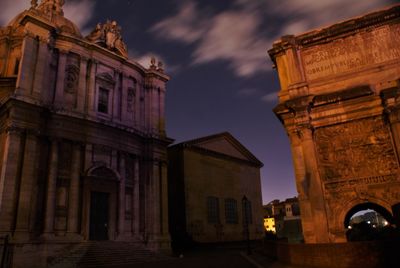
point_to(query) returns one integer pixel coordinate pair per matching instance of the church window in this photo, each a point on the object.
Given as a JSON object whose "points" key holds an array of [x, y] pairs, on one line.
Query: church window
{"points": [[213, 209], [231, 214], [102, 105]]}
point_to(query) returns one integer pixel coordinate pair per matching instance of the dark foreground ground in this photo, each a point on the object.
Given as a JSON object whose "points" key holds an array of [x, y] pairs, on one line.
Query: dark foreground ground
{"points": [[213, 258]]}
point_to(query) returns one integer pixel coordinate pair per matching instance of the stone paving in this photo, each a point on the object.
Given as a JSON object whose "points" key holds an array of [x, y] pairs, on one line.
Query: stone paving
{"points": [[213, 258]]}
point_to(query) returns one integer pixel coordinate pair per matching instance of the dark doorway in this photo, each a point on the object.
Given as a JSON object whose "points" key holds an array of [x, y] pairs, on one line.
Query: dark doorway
{"points": [[98, 216]]}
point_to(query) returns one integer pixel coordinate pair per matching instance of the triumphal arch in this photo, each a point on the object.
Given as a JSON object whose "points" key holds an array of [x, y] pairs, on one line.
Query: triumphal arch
{"points": [[340, 105]]}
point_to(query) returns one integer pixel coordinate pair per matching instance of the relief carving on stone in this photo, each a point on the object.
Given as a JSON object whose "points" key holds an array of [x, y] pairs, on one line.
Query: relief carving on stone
{"points": [[130, 99], [356, 153], [71, 78], [352, 53], [109, 35]]}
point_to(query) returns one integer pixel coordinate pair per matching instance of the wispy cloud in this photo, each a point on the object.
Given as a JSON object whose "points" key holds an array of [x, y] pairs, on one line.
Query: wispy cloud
{"points": [[270, 97], [187, 26], [241, 35], [10, 9], [80, 12], [248, 92]]}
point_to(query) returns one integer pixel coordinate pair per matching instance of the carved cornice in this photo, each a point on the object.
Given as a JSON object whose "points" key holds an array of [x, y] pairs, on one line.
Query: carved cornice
{"points": [[342, 95], [369, 21], [339, 30]]}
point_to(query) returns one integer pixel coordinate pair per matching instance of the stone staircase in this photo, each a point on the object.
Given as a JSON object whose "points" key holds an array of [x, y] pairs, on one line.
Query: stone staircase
{"points": [[104, 254]]}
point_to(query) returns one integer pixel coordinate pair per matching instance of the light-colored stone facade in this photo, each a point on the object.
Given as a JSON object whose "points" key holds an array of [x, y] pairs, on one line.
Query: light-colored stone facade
{"points": [[339, 103], [219, 168], [77, 118]]}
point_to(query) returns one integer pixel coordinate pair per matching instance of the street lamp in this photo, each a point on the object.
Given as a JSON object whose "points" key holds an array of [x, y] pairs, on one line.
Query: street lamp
{"points": [[246, 222]]}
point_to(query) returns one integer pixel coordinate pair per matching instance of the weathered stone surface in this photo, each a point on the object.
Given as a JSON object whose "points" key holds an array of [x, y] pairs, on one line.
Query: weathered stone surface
{"points": [[339, 102], [77, 119], [216, 166]]}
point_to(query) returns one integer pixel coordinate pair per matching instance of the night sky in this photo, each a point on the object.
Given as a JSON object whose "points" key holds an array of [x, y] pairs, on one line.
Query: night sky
{"points": [[216, 54]]}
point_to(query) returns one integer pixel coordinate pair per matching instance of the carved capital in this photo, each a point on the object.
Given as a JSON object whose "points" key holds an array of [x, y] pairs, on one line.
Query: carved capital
{"points": [[29, 34]]}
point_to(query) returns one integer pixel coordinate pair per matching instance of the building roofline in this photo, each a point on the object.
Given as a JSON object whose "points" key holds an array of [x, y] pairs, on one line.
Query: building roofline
{"points": [[193, 144]]}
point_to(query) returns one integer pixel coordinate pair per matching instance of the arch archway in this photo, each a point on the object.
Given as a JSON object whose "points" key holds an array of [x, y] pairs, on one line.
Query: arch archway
{"points": [[368, 221], [368, 206]]}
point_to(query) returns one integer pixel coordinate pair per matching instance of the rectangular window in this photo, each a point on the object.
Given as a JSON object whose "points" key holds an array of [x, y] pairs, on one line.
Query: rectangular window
{"points": [[231, 214], [247, 213], [102, 105], [212, 209]]}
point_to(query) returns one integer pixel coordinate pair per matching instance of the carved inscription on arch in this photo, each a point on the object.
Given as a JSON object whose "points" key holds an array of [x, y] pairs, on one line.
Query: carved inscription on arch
{"points": [[352, 53], [356, 152]]}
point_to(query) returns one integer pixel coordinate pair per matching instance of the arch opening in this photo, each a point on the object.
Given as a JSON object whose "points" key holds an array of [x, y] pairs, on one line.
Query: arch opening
{"points": [[368, 221]]}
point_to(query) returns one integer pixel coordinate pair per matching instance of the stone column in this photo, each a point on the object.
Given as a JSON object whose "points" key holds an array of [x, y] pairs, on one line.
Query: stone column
{"points": [[121, 201], [27, 184], [59, 94], [73, 196], [10, 165], [315, 191], [153, 204], [136, 199], [164, 199], [51, 189], [302, 185]]}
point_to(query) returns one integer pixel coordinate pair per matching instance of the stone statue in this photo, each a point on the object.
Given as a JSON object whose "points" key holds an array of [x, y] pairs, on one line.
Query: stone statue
{"points": [[34, 3], [109, 35], [97, 34]]}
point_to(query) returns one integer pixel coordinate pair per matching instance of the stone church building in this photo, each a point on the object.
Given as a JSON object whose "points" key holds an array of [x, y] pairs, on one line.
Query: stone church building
{"points": [[214, 191], [82, 135]]}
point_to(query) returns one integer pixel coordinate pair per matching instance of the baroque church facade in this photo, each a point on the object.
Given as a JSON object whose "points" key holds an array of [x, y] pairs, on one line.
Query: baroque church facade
{"points": [[82, 141]]}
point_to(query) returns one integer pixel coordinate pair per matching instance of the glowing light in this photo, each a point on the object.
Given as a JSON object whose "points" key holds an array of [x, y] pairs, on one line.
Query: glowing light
{"points": [[385, 223], [369, 222], [349, 227]]}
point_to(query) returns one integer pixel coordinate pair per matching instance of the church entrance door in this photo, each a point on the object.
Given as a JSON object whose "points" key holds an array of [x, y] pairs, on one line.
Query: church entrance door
{"points": [[98, 216]]}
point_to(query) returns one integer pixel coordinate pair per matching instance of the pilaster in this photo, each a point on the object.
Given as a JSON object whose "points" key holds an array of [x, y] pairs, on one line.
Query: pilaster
{"points": [[121, 200], [81, 92], [59, 93], [51, 190], [136, 199], [26, 76], [27, 185], [73, 196], [10, 167]]}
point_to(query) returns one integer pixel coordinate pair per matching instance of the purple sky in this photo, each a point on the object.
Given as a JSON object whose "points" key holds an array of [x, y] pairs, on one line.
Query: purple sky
{"points": [[216, 54]]}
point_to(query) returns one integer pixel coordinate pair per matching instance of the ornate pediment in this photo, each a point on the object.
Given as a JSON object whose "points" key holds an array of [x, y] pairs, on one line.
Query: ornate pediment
{"points": [[106, 78], [108, 35]]}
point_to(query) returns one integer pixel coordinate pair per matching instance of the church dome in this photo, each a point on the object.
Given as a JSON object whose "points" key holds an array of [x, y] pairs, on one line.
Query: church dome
{"points": [[51, 11]]}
